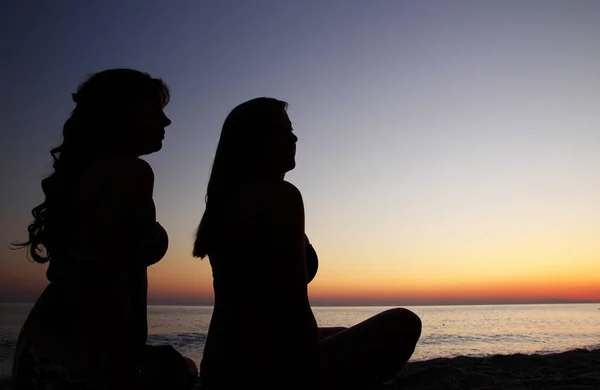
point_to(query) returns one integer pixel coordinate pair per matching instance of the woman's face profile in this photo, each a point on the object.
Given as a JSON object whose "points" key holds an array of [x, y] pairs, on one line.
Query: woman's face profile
{"points": [[149, 123], [281, 144]]}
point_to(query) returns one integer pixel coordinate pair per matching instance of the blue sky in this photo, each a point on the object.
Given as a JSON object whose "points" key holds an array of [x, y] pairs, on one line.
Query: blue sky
{"points": [[434, 135]]}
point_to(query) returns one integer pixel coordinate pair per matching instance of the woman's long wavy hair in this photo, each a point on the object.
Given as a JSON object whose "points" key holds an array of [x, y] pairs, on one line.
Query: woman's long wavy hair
{"points": [[240, 148], [103, 102]]}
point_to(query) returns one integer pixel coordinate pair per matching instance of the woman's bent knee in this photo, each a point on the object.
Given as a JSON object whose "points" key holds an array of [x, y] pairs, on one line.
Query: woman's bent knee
{"points": [[405, 320]]}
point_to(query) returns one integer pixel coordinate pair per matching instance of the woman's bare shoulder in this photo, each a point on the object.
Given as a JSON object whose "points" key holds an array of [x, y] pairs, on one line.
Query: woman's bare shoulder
{"points": [[271, 197], [289, 192], [121, 174], [125, 168]]}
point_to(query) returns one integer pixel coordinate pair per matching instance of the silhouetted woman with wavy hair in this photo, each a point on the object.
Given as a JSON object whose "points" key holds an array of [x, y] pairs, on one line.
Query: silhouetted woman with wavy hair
{"points": [[263, 333], [97, 231]]}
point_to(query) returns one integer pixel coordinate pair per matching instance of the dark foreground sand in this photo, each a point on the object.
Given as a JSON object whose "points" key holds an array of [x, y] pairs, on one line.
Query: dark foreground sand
{"points": [[577, 369]]}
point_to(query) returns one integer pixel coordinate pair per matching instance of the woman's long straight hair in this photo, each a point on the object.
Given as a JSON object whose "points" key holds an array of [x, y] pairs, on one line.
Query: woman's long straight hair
{"points": [[239, 151]]}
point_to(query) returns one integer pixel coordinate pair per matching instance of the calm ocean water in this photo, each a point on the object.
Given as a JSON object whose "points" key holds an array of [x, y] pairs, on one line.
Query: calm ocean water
{"points": [[447, 330]]}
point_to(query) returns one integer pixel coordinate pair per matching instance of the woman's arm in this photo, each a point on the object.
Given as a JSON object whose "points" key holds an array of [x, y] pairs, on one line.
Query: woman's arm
{"points": [[120, 214], [273, 226], [287, 326]]}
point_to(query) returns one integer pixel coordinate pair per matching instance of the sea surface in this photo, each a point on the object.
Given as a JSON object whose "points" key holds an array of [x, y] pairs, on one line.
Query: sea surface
{"points": [[448, 331]]}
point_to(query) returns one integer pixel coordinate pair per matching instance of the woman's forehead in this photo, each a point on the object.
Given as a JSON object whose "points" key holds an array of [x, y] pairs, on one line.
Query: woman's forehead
{"points": [[286, 119]]}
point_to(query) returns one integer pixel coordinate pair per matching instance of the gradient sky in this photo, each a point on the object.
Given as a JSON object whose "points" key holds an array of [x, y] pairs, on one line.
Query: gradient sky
{"points": [[449, 151]]}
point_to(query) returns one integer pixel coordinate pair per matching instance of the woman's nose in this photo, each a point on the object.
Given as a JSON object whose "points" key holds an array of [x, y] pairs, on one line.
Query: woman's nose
{"points": [[167, 120]]}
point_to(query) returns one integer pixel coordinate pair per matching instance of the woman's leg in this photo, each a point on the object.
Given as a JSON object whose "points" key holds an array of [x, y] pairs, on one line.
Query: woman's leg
{"points": [[329, 331], [370, 352]]}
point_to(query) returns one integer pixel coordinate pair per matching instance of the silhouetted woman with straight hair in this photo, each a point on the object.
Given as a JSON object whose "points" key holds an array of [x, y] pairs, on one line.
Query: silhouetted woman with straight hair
{"points": [[263, 333], [97, 231]]}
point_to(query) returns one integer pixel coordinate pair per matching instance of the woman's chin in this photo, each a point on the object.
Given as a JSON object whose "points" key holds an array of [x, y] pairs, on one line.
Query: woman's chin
{"points": [[290, 166], [152, 148]]}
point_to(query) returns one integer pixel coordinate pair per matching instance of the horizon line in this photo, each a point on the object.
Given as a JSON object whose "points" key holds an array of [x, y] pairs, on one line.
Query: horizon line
{"points": [[375, 304]]}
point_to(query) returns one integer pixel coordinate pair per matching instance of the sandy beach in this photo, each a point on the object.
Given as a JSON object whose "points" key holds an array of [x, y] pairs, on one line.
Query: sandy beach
{"points": [[576, 369]]}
